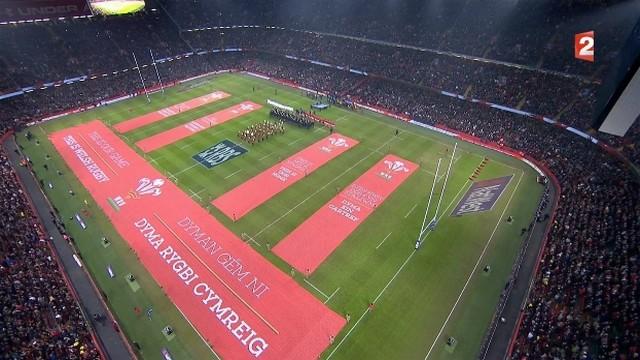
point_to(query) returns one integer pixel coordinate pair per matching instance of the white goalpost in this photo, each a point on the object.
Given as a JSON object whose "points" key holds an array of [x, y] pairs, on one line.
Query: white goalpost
{"points": [[426, 211], [433, 222], [155, 66], [141, 78]]}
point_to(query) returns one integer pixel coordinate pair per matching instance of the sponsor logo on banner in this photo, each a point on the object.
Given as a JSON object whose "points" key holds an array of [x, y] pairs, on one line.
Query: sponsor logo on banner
{"points": [[146, 187], [393, 167], [213, 96], [481, 196], [243, 108], [15, 10], [336, 142], [219, 153]]}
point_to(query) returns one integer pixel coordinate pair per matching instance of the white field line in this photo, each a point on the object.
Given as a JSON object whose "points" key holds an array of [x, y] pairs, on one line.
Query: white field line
{"points": [[190, 144], [186, 169], [383, 240], [318, 290], [255, 242], [420, 134], [330, 296], [431, 138], [394, 276], [410, 211], [475, 267], [230, 175], [197, 332], [441, 176], [295, 141], [266, 156], [194, 194], [377, 151], [428, 172], [319, 190], [251, 239]]}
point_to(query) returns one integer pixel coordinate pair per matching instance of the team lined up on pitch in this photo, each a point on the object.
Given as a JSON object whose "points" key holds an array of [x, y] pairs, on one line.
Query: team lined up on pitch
{"points": [[297, 117], [256, 133]]}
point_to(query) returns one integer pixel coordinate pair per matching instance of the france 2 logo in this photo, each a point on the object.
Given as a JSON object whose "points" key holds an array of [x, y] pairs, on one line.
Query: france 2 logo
{"points": [[584, 46]]}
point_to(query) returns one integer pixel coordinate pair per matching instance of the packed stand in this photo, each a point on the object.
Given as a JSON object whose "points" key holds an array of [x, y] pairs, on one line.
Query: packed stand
{"points": [[42, 103], [537, 33], [553, 95], [39, 317], [584, 302]]}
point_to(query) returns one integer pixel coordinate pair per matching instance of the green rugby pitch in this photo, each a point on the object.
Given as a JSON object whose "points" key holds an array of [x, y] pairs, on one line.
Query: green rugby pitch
{"points": [[421, 297]]}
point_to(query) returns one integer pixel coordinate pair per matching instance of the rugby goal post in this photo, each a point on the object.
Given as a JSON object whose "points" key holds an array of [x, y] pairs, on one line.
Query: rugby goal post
{"points": [[431, 226], [424, 229]]}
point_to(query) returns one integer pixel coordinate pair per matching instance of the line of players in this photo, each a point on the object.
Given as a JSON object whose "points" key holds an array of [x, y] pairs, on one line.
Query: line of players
{"points": [[256, 133], [298, 117]]}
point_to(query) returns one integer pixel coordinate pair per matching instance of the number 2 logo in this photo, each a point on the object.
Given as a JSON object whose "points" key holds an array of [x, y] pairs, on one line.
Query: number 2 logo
{"points": [[584, 46]]}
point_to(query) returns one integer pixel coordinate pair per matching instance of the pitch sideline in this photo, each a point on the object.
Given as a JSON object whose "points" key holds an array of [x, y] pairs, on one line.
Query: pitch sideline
{"points": [[475, 267], [394, 276]]}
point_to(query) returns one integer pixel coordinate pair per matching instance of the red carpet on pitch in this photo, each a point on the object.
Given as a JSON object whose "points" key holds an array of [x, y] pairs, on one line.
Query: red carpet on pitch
{"points": [[180, 132], [240, 303], [172, 110], [315, 239], [239, 201]]}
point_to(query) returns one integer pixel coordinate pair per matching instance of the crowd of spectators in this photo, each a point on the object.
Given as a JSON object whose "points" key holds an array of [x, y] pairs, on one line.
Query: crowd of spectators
{"points": [[528, 90], [39, 318], [567, 98], [537, 33], [41, 103], [584, 300], [584, 303]]}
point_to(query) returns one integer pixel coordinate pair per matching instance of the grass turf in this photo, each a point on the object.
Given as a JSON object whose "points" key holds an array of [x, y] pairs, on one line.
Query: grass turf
{"points": [[415, 292]]}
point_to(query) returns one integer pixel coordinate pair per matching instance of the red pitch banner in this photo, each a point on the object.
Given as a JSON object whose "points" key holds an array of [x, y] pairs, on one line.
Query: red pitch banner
{"points": [[180, 132], [241, 304], [253, 193], [315, 239], [172, 110]]}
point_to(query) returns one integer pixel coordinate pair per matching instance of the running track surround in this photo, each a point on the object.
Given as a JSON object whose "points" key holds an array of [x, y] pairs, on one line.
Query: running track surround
{"points": [[315, 239], [245, 307], [172, 110], [180, 132], [254, 192]]}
